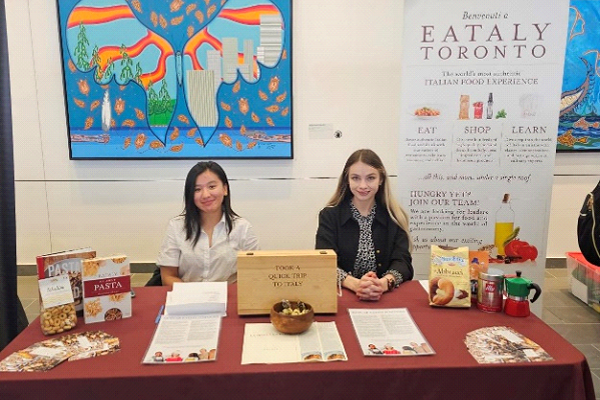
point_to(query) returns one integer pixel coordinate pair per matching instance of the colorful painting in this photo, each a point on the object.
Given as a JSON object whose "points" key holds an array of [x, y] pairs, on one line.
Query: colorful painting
{"points": [[579, 122], [150, 79]]}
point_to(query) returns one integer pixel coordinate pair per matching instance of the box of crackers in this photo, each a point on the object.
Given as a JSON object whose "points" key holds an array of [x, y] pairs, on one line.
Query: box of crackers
{"points": [[106, 288]]}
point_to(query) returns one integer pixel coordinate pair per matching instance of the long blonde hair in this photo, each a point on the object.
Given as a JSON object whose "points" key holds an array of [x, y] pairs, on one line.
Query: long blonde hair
{"points": [[383, 195]]}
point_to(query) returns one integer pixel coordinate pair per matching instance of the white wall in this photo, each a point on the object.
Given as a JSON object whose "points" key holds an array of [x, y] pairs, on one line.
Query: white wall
{"points": [[346, 73]]}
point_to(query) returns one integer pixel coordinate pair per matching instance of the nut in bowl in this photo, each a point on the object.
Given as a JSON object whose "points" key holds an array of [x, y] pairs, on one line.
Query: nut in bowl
{"points": [[297, 320]]}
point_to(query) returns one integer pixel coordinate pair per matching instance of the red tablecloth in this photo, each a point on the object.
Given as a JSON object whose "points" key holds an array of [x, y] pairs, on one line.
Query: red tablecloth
{"points": [[451, 373]]}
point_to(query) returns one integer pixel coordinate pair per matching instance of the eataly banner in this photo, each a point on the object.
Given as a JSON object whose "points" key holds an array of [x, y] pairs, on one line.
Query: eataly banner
{"points": [[481, 86]]}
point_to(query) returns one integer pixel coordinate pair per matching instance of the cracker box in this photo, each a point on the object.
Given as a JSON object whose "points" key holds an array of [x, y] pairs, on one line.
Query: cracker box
{"points": [[65, 263], [265, 277], [106, 288]]}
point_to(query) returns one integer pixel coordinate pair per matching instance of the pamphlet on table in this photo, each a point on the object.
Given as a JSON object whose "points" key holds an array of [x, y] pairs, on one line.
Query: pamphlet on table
{"points": [[184, 338], [45, 355], [263, 344], [502, 344], [189, 329], [388, 332]]}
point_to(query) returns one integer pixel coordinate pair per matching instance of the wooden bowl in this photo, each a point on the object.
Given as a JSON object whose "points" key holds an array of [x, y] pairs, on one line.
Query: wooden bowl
{"points": [[291, 323]]}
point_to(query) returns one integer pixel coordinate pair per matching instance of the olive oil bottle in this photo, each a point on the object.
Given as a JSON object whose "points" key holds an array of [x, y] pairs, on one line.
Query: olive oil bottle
{"points": [[505, 223]]}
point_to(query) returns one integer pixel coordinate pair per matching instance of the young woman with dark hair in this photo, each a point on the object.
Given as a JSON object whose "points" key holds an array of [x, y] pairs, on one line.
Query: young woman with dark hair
{"points": [[201, 244]]}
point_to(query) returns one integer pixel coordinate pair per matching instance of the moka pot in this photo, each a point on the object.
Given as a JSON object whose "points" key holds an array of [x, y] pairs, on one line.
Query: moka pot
{"points": [[517, 290]]}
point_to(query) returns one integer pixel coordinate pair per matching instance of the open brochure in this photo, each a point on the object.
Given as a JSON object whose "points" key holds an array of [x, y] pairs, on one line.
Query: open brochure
{"points": [[502, 344], [188, 298], [263, 344], [388, 332], [47, 354], [183, 339]]}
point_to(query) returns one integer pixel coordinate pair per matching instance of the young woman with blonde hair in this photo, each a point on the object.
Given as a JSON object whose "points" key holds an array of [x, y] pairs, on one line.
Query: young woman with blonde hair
{"points": [[367, 228]]}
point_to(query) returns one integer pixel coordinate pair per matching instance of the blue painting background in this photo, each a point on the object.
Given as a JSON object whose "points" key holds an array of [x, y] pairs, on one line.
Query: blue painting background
{"points": [[579, 122], [236, 134]]}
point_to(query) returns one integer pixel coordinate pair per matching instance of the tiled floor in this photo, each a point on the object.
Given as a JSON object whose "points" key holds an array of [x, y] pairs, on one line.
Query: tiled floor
{"points": [[566, 314], [574, 320]]}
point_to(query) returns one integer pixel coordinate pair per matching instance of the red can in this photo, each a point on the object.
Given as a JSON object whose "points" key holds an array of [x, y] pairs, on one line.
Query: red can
{"points": [[490, 286]]}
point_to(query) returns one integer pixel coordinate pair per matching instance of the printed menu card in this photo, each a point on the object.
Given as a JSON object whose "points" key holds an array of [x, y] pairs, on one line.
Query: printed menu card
{"points": [[263, 344], [388, 332]]}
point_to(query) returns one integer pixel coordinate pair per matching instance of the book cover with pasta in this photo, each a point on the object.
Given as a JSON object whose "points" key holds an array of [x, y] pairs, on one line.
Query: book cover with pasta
{"points": [[66, 262], [106, 288]]}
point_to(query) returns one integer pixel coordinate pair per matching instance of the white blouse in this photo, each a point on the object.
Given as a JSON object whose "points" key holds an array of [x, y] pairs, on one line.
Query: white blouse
{"points": [[204, 263]]}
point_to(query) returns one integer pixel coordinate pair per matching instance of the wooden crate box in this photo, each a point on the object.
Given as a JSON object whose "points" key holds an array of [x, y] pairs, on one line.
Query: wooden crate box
{"points": [[268, 276]]}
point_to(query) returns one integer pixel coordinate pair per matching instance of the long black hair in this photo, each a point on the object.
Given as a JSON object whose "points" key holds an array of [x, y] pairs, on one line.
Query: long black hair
{"points": [[192, 213]]}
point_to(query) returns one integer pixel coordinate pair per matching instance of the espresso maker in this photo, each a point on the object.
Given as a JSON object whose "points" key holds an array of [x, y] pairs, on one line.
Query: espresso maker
{"points": [[517, 290]]}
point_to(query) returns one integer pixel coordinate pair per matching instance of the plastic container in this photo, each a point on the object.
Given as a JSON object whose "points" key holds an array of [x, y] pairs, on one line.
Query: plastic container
{"points": [[584, 279]]}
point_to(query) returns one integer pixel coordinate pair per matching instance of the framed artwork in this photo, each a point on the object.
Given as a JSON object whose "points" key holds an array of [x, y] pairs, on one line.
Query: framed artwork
{"points": [[177, 79], [579, 121]]}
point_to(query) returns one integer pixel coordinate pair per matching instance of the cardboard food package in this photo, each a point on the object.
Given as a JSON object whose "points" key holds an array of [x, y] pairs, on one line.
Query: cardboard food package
{"points": [[478, 262], [449, 277], [66, 262], [106, 288]]}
